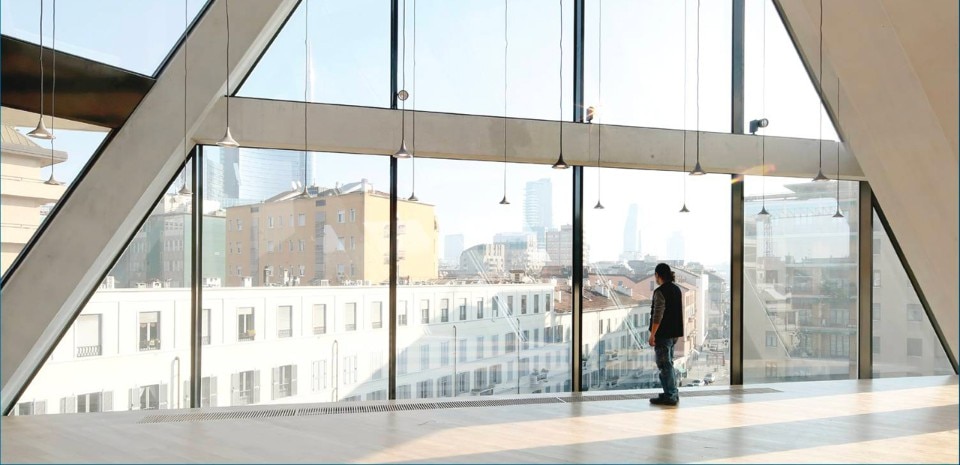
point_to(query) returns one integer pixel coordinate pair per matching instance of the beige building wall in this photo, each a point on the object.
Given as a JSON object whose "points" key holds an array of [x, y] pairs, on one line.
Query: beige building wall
{"points": [[22, 192]]}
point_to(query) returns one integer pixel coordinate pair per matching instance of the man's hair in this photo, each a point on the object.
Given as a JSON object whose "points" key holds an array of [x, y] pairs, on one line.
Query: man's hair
{"points": [[665, 273]]}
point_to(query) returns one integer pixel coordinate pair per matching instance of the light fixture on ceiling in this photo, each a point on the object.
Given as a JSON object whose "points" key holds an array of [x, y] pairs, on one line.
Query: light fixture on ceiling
{"points": [[820, 177], [560, 164], [304, 192], [185, 189], [839, 142], [763, 122], [403, 95], [413, 188], [697, 170], [41, 131], [684, 209], [52, 181], [506, 44], [598, 206], [227, 140]]}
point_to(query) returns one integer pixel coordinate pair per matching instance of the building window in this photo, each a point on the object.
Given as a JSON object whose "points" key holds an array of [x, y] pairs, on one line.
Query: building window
{"points": [[479, 347], [914, 312], [914, 347], [424, 357], [301, 245], [444, 386], [463, 309], [462, 351], [284, 321], [245, 387], [319, 318], [876, 311], [32, 408], [496, 374], [149, 330], [340, 217], [525, 339], [771, 339], [353, 215], [444, 353], [479, 309], [269, 246], [444, 310], [205, 326], [92, 402], [546, 303], [425, 389], [270, 222], [509, 305], [402, 313], [536, 303], [376, 315], [523, 305], [495, 345], [284, 381], [151, 397], [245, 320], [402, 362], [463, 382], [876, 278], [496, 306], [353, 243], [425, 311], [350, 316], [839, 345], [341, 247], [88, 337], [239, 224], [403, 392], [536, 337], [510, 341], [319, 380], [290, 245], [480, 378], [770, 369], [301, 219]]}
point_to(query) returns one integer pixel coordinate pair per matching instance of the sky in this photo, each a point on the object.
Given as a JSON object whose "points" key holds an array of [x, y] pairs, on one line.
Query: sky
{"points": [[635, 75]]}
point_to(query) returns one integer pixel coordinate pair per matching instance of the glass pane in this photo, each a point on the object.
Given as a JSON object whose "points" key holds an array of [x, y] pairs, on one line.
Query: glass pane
{"points": [[25, 164], [789, 98], [353, 72], [800, 292], [904, 342], [460, 58], [106, 33], [129, 348], [638, 228], [637, 79], [317, 256], [501, 286]]}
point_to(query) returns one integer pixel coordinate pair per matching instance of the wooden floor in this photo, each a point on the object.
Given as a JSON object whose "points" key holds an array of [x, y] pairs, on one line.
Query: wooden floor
{"points": [[904, 420]]}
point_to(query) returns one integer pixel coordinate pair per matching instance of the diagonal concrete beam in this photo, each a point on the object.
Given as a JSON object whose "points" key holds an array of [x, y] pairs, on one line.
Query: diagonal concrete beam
{"points": [[41, 296]]}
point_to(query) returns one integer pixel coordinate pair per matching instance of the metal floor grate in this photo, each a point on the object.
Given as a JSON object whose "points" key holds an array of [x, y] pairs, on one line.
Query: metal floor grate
{"points": [[401, 406]]}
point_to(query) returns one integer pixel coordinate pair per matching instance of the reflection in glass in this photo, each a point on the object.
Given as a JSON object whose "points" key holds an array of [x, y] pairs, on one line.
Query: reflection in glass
{"points": [[904, 342], [800, 301], [129, 347], [639, 228]]}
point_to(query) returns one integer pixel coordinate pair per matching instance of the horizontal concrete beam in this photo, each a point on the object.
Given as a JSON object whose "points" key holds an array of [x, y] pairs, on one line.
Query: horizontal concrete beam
{"points": [[347, 129]]}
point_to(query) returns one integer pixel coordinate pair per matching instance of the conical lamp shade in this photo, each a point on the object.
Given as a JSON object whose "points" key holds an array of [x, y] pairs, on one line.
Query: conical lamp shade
{"points": [[413, 198], [820, 177], [504, 201], [560, 164], [684, 209], [763, 212], [51, 181], [838, 214], [185, 190], [41, 131], [228, 140], [598, 206], [403, 152], [697, 170]]}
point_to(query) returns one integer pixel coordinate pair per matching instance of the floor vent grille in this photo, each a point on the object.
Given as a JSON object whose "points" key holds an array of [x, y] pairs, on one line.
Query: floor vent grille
{"points": [[402, 406]]}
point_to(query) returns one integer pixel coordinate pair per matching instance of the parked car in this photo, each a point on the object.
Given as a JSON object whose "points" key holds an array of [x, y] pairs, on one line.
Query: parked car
{"points": [[696, 382], [709, 378]]}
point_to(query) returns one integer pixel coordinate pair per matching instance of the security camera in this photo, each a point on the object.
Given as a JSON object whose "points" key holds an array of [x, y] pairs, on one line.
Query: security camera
{"points": [[757, 124]]}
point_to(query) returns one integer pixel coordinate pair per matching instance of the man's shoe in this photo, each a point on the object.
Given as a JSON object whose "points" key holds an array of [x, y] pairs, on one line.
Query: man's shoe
{"points": [[660, 400]]}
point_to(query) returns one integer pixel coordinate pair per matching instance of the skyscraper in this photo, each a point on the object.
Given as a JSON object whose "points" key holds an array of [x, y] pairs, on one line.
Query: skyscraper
{"points": [[234, 177], [538, 208]]}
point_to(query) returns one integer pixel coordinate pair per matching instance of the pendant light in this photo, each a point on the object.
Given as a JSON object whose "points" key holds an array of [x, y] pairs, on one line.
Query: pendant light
{"points": [[185, 189], [228, 140], [697, 170], [839, 142], [506, 44], [41, 131], [52, 181], [560, 164], [599, 206], [684, 208], [820, 177], [413, 189], [402, 95], [306, 92], [762, 123]]}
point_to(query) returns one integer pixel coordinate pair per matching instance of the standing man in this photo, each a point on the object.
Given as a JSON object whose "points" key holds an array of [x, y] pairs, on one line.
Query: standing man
{"points": [[666, 326]]}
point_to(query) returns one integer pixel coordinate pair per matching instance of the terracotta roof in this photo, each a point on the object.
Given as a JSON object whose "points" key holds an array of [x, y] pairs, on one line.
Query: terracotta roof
{"points": [[593, 301]]}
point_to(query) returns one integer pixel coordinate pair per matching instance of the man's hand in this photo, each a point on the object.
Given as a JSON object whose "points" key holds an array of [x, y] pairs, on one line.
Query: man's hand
{"points": [[651, 341]]}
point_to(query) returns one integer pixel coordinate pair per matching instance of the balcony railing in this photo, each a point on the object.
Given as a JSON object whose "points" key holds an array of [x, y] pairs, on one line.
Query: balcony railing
{"points": [[149, 344], [246, 336], [319, 330], [285, 333], [88, 351]]}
